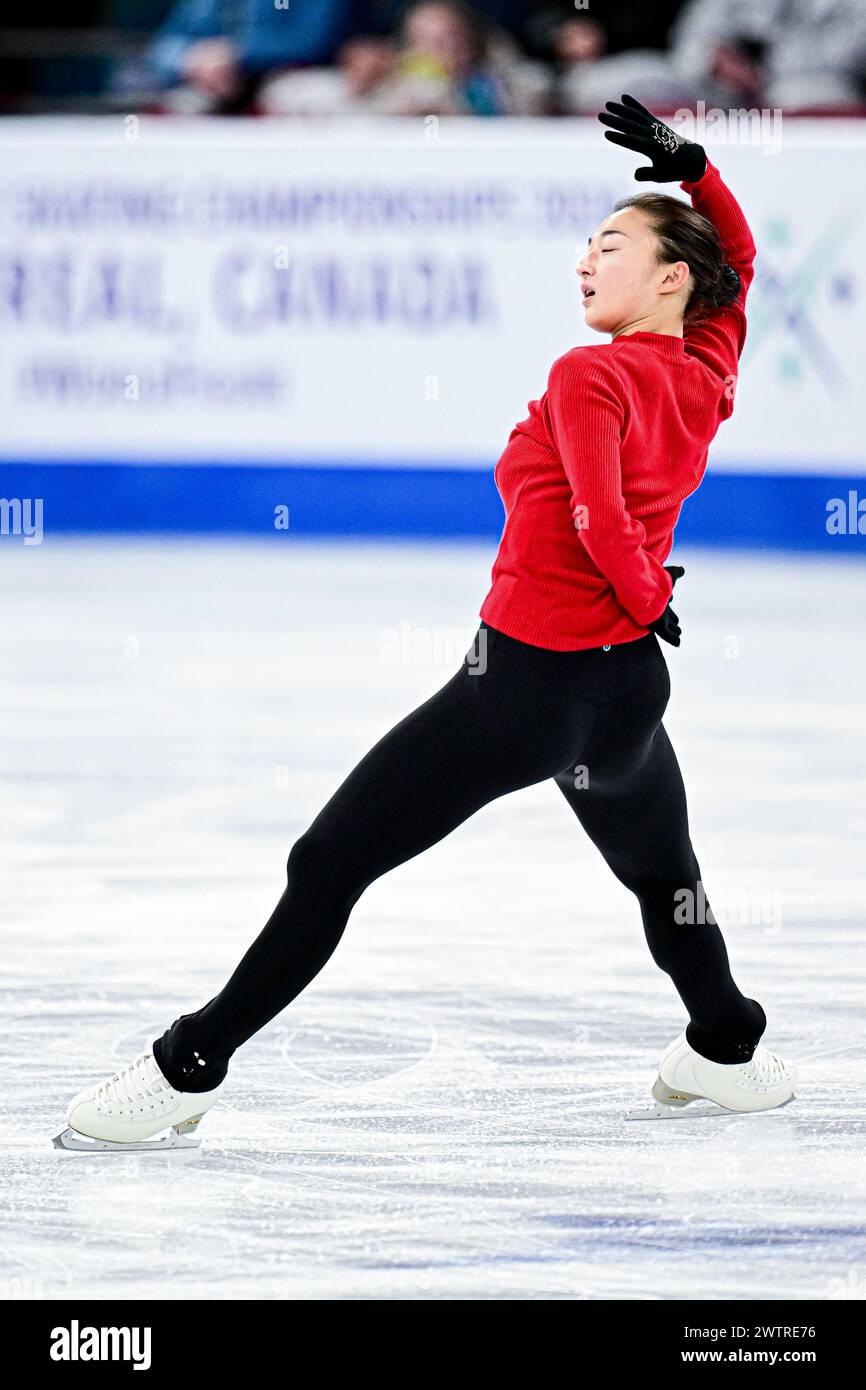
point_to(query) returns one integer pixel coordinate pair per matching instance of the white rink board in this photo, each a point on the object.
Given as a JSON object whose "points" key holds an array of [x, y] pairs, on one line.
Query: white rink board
{"points": [[424, 288]]}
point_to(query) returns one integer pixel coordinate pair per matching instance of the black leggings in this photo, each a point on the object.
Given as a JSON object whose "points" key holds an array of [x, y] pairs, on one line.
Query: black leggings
{"points": [[513, 715]]}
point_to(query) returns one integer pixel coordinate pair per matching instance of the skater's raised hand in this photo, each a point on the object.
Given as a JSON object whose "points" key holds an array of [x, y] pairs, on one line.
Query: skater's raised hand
{"points": [[676, 572], [674, 159]]}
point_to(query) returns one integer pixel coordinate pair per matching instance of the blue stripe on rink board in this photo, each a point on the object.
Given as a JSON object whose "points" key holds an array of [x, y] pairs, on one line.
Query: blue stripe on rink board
{"points": [[764, 510]]}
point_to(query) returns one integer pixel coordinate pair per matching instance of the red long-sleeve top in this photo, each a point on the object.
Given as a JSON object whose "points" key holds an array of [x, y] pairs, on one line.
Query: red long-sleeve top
{"points": [[593, 480]]}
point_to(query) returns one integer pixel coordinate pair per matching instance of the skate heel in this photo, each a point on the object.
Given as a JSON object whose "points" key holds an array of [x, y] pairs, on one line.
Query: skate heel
{"points": [[187, 1126], [666, 1096]]}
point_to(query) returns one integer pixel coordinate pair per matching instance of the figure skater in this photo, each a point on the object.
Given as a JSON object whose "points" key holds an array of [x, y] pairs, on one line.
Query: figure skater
{"points": [[565, 679]]}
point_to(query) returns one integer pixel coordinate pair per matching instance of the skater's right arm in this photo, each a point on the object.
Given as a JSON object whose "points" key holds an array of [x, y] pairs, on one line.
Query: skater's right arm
{"points": [[586, 413]]}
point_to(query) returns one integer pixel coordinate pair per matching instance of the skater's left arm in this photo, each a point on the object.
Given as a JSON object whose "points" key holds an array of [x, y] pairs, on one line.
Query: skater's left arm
{"points": [[718, 336], [586, 415]]}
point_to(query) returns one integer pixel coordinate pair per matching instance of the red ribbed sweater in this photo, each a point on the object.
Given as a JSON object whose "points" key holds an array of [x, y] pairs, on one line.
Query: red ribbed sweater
{"points": [[593, 480]]}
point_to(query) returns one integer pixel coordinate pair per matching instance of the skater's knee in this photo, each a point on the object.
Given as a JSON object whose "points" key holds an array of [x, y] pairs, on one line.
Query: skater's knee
{"points": [[324, 871], [309, 858], [662, 880], [657, 889], [669, 947]]}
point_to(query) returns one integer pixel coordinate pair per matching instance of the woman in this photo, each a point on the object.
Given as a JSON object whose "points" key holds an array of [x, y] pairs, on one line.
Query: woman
{"points": [[565, 680]]}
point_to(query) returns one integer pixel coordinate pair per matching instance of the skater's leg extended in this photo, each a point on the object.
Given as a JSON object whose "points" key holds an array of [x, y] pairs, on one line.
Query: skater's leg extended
{"points": [[480, 736], [632, 803]]}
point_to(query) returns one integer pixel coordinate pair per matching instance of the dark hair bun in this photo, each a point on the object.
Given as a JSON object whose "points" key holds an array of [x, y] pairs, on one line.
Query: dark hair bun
{"points": [[728, 288]]}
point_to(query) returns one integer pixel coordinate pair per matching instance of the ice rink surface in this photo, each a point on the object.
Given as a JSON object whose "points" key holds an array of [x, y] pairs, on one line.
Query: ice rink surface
{"points": [[439, 1114]]}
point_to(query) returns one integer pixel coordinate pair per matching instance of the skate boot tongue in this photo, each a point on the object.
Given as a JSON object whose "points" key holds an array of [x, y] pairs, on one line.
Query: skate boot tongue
{"points": [[142, 1075], [768, 1069]]}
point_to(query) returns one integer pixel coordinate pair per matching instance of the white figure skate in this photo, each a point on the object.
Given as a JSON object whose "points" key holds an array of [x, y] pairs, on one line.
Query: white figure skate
{"points": [[686, 1077], [124, 1113]]}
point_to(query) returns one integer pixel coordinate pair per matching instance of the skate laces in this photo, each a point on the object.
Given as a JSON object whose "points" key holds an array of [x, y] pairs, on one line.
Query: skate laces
{"points": [[766, 1068], [130, 1083]]}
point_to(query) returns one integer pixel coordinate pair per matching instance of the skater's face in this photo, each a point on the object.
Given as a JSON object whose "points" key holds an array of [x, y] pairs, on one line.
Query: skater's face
{"points": [[624, 286]]}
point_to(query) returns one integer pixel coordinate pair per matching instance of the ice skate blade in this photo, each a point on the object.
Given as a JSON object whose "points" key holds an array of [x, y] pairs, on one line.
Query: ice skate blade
{"points": [[72, 1141], [692, 1111], [698, 1109]]}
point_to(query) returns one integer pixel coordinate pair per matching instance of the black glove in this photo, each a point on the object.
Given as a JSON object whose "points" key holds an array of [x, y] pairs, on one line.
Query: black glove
{"points": [[674, 159], [667, 624]]}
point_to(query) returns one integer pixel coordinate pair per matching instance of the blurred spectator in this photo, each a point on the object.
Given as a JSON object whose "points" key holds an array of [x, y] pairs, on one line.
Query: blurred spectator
{"points": [[794, 54], [606, 27], [210, 54], [348, 88], [514, 17], [607, 49], [448, 60], [618, 48]]}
